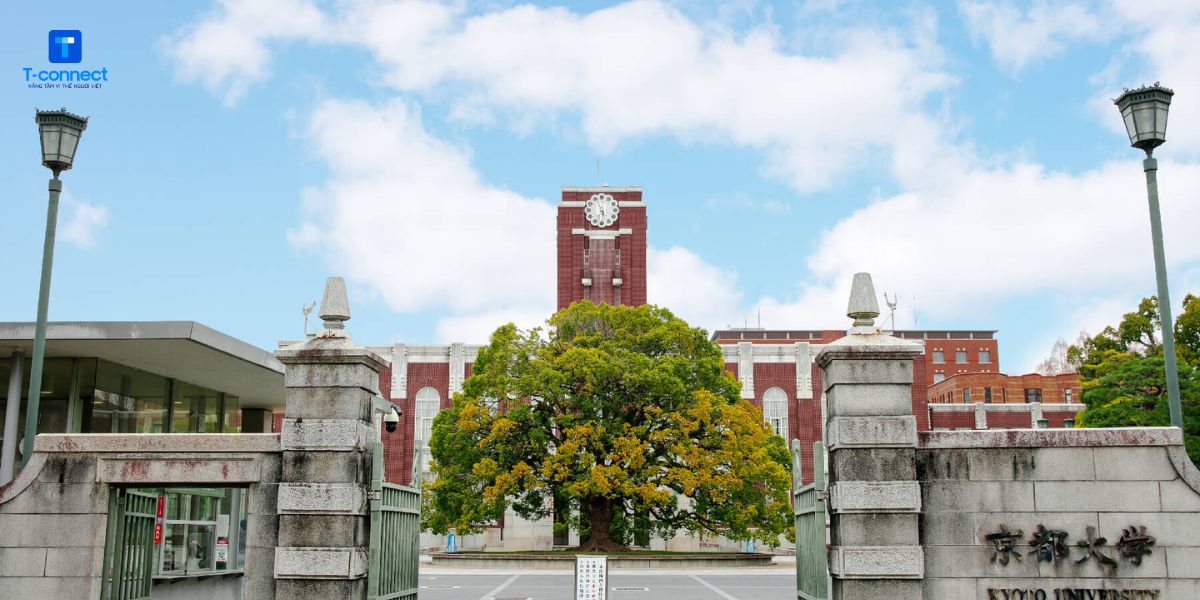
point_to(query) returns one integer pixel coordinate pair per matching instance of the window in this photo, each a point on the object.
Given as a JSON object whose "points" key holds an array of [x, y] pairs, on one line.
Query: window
{"points": [[939, 357], [204, 530], [428, 403], [775, 411], [960, 356], [1033, 395], [987, 395], [1068, 395], [939, 377], [966, 395], [985, 357]]}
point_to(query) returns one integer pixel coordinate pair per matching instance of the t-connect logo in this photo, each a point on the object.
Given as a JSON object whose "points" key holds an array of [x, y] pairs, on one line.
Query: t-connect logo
{"points": [[66, 45]]}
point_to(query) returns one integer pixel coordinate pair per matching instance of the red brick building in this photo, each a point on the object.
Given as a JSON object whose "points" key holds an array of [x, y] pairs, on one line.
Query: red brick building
{"points": [[778, 373], [999, 401]]}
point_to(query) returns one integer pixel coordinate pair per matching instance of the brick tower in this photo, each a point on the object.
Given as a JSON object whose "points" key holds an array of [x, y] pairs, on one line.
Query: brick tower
{"points": [[602, 245]]}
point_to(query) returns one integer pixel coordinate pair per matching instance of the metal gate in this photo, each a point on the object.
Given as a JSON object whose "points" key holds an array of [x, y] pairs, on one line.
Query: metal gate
{"points": [[812, 564], [395, 534], [129, 550]]}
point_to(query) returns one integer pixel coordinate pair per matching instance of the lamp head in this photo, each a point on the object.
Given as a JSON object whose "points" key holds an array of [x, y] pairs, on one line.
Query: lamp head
{"points": [[1145, 113], [60, 132]]}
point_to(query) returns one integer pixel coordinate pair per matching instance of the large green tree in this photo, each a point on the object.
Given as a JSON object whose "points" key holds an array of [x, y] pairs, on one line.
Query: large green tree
{"points": [[1123, 376], [618, 411]]}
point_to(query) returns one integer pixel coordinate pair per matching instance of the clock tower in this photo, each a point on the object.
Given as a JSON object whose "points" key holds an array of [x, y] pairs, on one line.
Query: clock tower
{"points": [[602, 246]]}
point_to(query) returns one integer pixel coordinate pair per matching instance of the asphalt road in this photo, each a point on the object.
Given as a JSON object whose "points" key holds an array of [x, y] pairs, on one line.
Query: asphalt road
{"points": [[732, 584]]}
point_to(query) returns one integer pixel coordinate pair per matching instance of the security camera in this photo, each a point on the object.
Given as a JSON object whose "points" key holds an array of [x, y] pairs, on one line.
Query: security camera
{"points": [[391, 419]]}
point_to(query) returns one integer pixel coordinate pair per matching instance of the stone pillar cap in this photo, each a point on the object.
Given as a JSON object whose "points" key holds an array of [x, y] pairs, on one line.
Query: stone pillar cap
{"points": [[863, 306], [335, 306]]}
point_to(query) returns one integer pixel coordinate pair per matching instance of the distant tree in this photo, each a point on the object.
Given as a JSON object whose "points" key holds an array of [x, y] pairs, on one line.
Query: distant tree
{"points": [[1123, 374], [1058, 362], [627, 414]]}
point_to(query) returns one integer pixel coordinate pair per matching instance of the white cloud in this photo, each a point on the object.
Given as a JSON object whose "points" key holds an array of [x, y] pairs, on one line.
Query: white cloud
{"points": [[406, 215], [700, 293], [226, 51], [640, 68], [85, 222], [1019, 37], [986, 235]]}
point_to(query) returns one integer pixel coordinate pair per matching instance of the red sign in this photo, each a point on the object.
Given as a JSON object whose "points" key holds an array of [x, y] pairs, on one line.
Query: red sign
{"points": [[158, 521]]}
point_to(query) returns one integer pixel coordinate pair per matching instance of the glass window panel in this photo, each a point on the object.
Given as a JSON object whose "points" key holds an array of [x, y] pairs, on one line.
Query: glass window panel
{"points": [[67, 148], [50, 137], [939, 357], [1162, 120], [126, 400], [1144, 117], [233, 414], [174, 543], [960, 356], [201, 542], [196, 409], [1130, 128]]}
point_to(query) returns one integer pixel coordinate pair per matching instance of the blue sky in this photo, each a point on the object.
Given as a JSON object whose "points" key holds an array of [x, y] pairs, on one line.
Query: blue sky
{"points": [[965, 153]]}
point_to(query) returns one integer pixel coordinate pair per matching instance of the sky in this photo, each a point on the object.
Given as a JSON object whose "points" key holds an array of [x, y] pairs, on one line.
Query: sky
{"points": [[967, 154]]}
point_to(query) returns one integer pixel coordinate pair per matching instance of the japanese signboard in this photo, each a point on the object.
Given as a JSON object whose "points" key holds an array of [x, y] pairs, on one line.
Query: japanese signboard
{"points": [[591, 577]]}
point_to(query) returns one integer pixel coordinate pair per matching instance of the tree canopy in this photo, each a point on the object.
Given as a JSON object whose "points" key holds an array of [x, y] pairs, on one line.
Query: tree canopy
{"points": [[1123, 375], [617, 412]]}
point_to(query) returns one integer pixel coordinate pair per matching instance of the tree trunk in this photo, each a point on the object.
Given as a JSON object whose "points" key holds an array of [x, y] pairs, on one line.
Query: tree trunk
{"points": [[600, 514]]}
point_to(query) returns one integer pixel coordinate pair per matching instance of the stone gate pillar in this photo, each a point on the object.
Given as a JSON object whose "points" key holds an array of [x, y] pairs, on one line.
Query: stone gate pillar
{"points": [[326, 438], [871, 433]]}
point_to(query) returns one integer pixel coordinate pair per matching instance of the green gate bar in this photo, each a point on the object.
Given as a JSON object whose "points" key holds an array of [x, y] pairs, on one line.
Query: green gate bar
{"points": [[812, 564], [394, 554]]}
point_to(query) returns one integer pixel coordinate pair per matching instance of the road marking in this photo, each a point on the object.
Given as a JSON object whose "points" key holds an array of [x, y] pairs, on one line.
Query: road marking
{"points": [[500, 588], [714, 588]]}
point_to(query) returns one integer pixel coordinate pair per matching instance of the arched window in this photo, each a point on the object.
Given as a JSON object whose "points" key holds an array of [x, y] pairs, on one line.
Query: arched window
{"points": [[428, 403], [775, 411]]}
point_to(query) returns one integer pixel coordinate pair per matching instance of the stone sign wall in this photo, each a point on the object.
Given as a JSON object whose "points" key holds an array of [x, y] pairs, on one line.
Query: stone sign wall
{"points": [[1024, 514], [1105, 514]]}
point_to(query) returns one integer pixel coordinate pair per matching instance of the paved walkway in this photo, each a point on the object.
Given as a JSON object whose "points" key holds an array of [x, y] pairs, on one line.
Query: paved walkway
{"points": [[725, 584]]}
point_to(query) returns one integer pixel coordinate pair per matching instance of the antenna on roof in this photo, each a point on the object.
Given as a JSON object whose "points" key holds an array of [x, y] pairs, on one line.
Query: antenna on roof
{"points": [[891, 304], [306, 310], [915, 322], [758, 304]]}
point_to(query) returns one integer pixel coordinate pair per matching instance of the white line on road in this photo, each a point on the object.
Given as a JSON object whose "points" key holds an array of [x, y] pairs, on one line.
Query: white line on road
{"points": [[714, 588], [500, 588]]}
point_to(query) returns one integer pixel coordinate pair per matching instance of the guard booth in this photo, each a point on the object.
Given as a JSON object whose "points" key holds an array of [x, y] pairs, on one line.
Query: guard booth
{"points": [[166, 542]]}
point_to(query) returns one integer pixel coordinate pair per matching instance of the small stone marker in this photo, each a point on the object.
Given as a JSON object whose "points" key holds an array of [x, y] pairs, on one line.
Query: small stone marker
{"points": [[591, 577]]}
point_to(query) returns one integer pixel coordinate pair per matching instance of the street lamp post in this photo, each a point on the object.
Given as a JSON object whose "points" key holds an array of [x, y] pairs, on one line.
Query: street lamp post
{"points": [[60, 132], [1145, 113]]}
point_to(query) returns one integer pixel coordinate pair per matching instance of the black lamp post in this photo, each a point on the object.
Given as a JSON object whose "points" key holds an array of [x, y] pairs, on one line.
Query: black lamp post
{"points": [[1145, 113], [60, 132]]}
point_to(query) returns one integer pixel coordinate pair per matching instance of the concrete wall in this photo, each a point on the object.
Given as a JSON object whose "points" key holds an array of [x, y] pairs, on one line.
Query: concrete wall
{"points": [[53, 515], [974, 482]]}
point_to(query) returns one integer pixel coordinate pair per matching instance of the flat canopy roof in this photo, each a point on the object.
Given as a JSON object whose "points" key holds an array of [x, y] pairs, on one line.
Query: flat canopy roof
{"points": [[183, 350]]}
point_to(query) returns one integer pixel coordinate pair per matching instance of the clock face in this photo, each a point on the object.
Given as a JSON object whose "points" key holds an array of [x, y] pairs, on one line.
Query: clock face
{"points": [[601, 210]]}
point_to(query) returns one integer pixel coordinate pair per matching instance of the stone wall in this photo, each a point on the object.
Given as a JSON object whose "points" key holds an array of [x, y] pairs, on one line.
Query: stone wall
{"points": [[978, 483], [1017, 514], [53, 515]]}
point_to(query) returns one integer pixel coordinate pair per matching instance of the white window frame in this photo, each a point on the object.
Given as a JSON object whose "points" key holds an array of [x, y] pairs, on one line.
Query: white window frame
{"points": [[775, 410]]}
